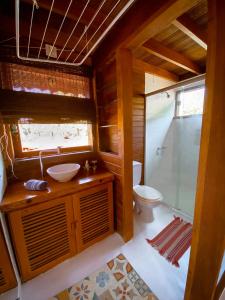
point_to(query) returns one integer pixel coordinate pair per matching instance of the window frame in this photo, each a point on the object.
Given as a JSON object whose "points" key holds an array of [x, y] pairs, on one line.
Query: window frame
{"points": [[19, 154], [177, 99]]}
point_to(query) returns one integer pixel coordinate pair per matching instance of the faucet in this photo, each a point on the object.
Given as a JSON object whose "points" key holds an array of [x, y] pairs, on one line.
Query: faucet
{"points": [[57, 150], [160, 150]]}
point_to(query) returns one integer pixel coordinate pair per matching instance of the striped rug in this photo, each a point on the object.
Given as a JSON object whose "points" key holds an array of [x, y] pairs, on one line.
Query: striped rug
{"points": [[173, 240]]}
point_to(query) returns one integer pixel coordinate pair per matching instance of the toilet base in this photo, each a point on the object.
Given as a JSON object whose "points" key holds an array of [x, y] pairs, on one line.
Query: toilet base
{"points": [[146, 213]]}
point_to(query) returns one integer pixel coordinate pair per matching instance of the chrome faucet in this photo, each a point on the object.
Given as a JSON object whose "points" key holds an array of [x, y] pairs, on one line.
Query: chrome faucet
{"points": [[57, 150], [160, 150]]}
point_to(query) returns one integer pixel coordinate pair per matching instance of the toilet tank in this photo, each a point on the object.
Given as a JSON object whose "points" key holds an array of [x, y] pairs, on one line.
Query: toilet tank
{"points": [[137, 167]]}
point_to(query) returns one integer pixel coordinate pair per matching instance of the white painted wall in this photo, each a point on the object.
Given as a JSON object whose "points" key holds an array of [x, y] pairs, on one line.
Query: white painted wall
{"points": [[154, 83]]}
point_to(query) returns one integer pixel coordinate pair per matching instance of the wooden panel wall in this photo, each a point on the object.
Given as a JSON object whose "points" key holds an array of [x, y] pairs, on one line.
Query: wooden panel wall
{"points": [[125, 93], [107, 107], [30, 168], [114, 104], [106, 89], [113, 109], [138, 121], [113, 163]]}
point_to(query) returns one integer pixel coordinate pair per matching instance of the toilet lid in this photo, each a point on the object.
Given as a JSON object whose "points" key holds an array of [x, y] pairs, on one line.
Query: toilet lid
{"points": [[148, 193]]}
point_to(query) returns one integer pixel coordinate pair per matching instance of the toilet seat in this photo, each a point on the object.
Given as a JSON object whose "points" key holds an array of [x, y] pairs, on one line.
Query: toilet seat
{"points": [[146, 199], [147, 194]]}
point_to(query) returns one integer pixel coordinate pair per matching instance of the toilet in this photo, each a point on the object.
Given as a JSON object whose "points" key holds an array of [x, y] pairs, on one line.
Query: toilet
{"points": [[145, 197]]}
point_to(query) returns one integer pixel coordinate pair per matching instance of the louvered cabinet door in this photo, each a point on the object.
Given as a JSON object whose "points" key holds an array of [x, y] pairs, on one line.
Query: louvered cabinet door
{"points": [[93, 210], [7, 278], [43, 235]]}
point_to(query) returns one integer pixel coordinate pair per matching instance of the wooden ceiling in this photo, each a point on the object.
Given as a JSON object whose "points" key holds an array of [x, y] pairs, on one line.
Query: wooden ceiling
{"points": [[177, 48], [180, 48], [40, 17]]}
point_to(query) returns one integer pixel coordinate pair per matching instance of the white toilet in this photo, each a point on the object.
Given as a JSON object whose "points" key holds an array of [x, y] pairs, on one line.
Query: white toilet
{"points": [[145, 197]]}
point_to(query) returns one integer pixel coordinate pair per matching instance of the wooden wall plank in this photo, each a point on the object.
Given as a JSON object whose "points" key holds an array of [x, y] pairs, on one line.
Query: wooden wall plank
{"points": [[138, 117], [30, 168], [209, 222], [125, 94], [106, 74], [108, 138]]}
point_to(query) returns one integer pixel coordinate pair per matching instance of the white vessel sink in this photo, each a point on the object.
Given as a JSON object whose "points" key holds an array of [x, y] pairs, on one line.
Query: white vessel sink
{"points": [[63, 172]]}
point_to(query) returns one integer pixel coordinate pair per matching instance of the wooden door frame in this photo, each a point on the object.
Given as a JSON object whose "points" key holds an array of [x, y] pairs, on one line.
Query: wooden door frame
{"points": [[209, 222], [124, 71]]}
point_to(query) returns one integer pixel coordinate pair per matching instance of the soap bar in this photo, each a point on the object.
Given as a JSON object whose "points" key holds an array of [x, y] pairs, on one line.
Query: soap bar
{"points": [[36, 185]]}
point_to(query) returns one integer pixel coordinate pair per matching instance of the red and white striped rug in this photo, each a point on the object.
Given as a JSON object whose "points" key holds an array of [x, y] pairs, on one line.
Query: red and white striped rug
{"points": [[173, 240]]}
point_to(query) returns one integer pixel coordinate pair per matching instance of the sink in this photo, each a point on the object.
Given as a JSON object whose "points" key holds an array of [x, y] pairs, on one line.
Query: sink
{"points": [[63, 172]]}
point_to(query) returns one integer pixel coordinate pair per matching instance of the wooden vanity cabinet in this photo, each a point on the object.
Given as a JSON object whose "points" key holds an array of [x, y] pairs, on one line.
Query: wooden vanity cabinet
{"points": [[43, 235], [7, 278], [93, 212], [46, 234]]}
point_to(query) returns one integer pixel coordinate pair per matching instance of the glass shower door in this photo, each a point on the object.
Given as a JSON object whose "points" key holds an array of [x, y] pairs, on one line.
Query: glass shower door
{"points": [[186, 149], [172, 153]]}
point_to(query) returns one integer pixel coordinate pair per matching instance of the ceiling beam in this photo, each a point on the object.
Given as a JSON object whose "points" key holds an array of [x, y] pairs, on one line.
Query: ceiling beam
{"points": [[172, 56], [142, 21], [141, 66], [192, 29]]}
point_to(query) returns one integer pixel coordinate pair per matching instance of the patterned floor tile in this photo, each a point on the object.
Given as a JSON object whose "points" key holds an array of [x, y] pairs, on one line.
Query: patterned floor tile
{"points": [[117, 280]]}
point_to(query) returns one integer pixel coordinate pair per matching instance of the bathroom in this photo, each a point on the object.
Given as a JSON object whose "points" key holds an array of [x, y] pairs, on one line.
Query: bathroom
{"points": [[109, 178]]}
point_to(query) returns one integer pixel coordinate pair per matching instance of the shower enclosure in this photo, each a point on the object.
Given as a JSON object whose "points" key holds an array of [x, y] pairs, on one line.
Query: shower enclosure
{"points": [[173, 128]]}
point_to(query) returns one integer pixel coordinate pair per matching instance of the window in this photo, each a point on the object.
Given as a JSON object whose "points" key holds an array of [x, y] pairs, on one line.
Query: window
{"points": [[38, 122], [29, 139], [190, 102]]}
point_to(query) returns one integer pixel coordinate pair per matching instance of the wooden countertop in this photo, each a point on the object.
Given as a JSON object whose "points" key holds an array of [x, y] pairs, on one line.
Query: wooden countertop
{"points": [[17, 196]]}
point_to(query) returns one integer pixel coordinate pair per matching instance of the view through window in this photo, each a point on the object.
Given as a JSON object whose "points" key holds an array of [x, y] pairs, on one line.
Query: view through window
{"points": [[190, 102], [48, 136]]}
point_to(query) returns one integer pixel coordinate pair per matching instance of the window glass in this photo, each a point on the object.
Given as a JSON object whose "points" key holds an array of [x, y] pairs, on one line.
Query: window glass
{"points": [[190, 102], [48, 136]]}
